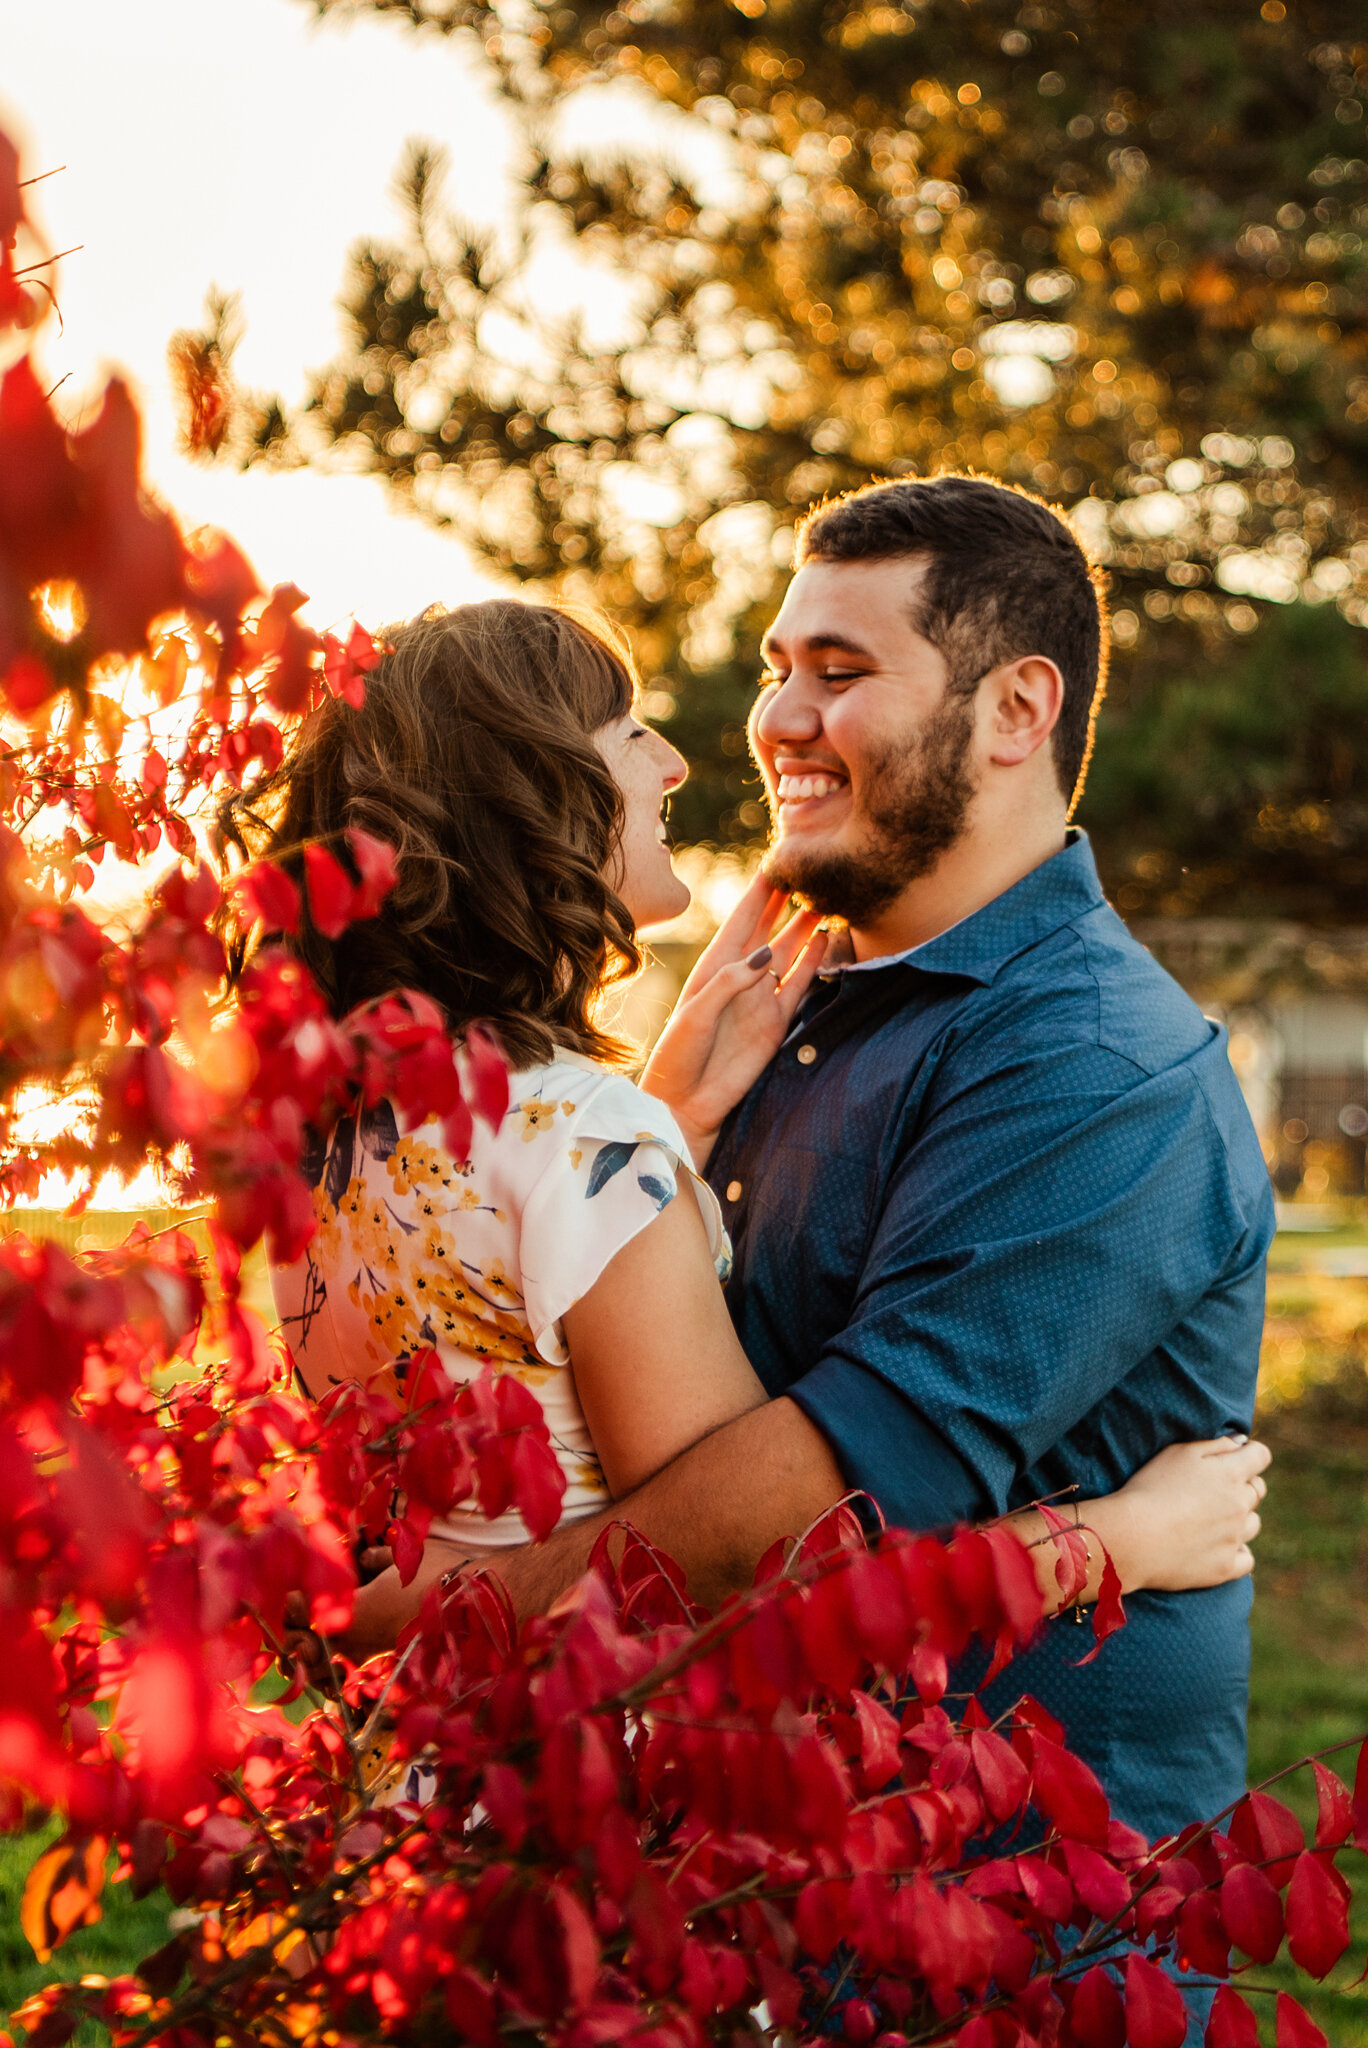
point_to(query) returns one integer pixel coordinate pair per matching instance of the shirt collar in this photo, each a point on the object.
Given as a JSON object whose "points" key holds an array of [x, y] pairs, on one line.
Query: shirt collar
{"points": [[979, 946]]}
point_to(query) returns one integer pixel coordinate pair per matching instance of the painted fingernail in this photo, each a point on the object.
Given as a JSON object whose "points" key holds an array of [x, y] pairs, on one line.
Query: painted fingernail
{"points": [[761, 957]]}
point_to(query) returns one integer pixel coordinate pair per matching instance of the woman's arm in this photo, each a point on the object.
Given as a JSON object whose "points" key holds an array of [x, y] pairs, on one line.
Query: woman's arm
{"points": [[1186, 1519], [656, 1361]]}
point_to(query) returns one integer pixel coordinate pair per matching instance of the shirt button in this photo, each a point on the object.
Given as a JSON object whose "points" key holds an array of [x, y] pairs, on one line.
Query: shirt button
{"points": [[733, 1190], [806, 1055]]}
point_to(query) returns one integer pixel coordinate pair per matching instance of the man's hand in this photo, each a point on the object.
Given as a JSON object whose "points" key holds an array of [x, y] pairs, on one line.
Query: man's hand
{"points": [[733, 1013]]}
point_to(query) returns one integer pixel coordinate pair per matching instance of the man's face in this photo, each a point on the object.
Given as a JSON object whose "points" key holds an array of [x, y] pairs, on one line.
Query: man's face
{"points": [[867, 760]]}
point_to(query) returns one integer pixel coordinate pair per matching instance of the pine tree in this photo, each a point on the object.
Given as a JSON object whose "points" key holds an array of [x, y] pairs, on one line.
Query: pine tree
{"points": [[1115, 253]]}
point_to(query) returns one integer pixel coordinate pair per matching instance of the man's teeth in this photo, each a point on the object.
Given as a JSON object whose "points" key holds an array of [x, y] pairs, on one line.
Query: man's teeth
{"points": [[796, 789]]}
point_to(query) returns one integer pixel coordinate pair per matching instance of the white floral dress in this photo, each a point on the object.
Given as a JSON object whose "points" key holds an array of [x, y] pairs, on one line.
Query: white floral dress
{"points": [[482, 1260]]}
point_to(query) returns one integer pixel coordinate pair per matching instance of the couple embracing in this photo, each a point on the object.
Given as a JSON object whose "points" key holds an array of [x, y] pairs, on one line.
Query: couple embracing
{"points": [[986, 1207]]}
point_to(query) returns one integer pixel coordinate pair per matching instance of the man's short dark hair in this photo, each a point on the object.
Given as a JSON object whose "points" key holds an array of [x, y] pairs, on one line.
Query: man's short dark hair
{"points": [[1005, 577]]}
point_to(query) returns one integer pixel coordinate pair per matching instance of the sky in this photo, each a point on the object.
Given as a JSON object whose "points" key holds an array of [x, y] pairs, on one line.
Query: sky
{"points": [[241, 144]]}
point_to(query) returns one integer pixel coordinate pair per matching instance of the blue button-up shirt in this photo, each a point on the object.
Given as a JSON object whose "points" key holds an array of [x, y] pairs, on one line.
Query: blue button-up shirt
{"points": [[1000, 1219]]}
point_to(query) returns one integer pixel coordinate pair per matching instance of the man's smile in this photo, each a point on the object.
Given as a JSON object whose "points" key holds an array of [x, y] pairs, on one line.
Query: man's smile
{"points": [[802, 789]]}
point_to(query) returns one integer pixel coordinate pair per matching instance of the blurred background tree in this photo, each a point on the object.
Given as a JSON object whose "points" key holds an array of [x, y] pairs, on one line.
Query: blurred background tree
{"points": [[1117, 254]]}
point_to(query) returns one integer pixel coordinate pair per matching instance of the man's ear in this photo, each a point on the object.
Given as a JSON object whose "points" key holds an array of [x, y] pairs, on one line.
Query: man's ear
{"points": [[1023, 700]]}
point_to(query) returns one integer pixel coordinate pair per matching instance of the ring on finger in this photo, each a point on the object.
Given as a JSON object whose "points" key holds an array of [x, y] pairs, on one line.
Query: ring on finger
{"points": [[776, 975]]}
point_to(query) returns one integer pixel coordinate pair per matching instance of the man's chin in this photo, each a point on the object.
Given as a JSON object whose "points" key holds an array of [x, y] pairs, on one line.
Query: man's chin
{"points": [[832, 880]]}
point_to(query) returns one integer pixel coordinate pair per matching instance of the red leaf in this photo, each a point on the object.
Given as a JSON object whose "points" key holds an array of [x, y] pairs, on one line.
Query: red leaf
{"points": [[471, 2008], [1003, 1777], [783, 1991], [39, 486], [1202, 1938], [135, 559], [1071, 1552], [1264, 1831], [1109, 1613], [1361, 1799], [579, 1946], [538, 1484], [1097, 2017], [1317, 1917], [657, 1923], [858, 2022], [1252, 1912], [817, 1920], [1296, 2028], [1031, 1714], [1047, 1888], [929, 1671], [1334, 1809], [28, 682], [1103, 1888], [406, 1537], [488, 1076], [879, 1757], [1018, 1589], [331, 897], [377, 863], [220, 577], [362, 649], [458, 1129], [1232, 2024], [266, 892], [1156, 2016], [1067, 1793]]}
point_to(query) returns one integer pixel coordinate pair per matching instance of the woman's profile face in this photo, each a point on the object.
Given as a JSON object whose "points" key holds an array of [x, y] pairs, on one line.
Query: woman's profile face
{"points": [[645, 768]]}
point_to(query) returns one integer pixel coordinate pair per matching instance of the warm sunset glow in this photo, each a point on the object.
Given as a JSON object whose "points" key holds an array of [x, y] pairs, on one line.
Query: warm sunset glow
{"points": [[301, 191]]}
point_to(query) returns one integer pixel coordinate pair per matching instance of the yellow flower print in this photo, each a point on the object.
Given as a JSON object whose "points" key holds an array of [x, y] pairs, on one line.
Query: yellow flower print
{"points": [[415, 1168], [376, 1237], [367, 1226], [537, 1116], [394, 1322], [435, 1248], [498, 1282], [327, 1244], [576, 1157], [477, 1338]]}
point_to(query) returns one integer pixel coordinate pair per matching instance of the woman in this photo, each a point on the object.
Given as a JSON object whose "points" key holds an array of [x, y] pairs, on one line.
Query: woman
{"points": [[498, 750]]}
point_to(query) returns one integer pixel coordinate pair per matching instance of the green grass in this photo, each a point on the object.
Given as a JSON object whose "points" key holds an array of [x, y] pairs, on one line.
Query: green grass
{"points": [[130, 1928], [1309, 1685]]}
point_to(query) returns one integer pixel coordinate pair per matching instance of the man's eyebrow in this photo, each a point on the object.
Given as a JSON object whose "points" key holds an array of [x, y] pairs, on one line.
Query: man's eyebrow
{"points": [[837, 641]]}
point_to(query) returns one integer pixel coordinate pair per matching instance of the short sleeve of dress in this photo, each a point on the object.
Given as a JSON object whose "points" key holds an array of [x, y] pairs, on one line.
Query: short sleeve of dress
{"points": [[612, 1164]]}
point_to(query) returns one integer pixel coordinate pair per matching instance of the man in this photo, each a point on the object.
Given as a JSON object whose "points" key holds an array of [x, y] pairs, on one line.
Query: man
{"points": [[999, 1213]]}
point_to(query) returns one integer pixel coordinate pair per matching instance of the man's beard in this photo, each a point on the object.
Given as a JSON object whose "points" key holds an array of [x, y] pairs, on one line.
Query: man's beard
{"points": [[915, 806]]}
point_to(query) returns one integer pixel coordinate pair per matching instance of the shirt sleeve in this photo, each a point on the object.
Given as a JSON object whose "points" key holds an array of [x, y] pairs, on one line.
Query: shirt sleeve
{"points": [[1047, 1227], [611, 1167]]}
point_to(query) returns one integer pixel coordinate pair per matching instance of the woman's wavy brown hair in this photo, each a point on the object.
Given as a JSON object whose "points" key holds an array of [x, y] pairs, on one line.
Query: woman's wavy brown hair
{"points": [[473, 755]]}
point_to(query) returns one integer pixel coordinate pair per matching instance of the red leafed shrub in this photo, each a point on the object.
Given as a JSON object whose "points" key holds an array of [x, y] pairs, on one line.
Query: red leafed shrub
{"points": [[628, 1821]]}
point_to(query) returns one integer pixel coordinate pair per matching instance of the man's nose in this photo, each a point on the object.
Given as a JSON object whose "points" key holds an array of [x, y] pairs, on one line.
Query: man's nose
{"points": [[787, 714]]}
